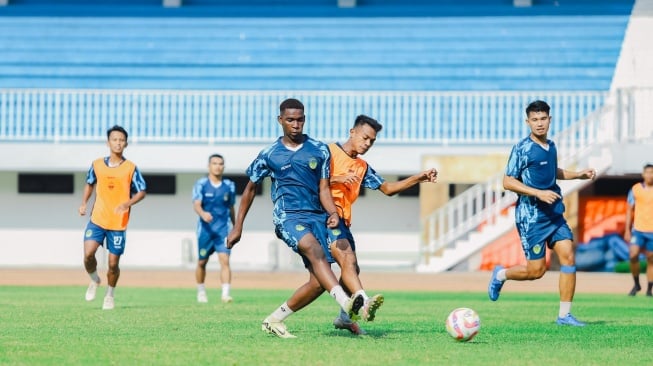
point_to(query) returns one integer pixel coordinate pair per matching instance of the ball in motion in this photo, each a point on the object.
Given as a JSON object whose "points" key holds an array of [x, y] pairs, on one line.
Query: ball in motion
{"points": [[463, 324]]}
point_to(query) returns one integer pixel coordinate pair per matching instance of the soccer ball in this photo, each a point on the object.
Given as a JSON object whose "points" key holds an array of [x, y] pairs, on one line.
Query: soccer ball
{"points": [[463, 324]]}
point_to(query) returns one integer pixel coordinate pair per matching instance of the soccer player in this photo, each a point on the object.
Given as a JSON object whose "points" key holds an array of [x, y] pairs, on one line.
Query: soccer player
{"points": [[118, 185], [299, 169], [531, 172], [213, 201], [348, 173], [639, 228]]}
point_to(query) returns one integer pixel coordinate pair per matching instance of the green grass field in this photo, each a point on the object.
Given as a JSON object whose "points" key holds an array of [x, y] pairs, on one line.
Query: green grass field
{"points": [[55, 326]]}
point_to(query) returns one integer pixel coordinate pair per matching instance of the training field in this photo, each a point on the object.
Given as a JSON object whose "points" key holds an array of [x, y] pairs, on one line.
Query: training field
{"points": [[163, 325]]}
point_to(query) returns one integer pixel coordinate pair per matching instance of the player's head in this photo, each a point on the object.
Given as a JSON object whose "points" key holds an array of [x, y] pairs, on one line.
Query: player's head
{"points": [[538, 118], [216, 165], [292, 118], [647, 174], [117, 139], [363, 135]]}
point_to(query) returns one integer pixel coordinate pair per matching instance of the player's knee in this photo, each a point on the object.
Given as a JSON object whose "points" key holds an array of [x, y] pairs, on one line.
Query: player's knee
{"points": [[567, 259], [536, 273]]}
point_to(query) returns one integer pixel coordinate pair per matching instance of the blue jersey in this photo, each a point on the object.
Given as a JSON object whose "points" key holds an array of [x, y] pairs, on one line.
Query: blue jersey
{"points": [[295, 175], [536, 167], [216, 200]]}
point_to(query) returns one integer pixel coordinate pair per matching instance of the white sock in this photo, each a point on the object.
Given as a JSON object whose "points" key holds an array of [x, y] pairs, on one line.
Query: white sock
{"points": [[501, 275], [201, 288], [110, 291], [94, 276], [225, 289], [565, 308], [282, 312], [339, 294], [362, 293]]}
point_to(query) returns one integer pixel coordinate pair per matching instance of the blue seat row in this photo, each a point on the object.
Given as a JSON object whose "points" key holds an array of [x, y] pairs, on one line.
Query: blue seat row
{"points": [[326, 53]]}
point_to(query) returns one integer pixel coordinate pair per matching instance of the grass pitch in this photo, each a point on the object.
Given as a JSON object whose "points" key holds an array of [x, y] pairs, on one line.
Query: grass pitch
{"points": [[55, 326]]}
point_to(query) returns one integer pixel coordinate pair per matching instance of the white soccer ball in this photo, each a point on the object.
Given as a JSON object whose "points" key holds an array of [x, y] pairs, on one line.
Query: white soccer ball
{"points": [[463, 324]]}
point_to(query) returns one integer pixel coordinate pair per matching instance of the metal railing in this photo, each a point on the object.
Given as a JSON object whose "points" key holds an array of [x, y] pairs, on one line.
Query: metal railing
{"points": [[208, 117], [623, 118]]}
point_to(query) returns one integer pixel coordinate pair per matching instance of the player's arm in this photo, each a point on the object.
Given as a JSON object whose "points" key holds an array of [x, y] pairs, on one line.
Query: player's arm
{"points": [[245, 203], [630, 215], [327, 202], [583, 174], [86, 195], [515, 185], [205, 216], [392, 188], [137, 188]]}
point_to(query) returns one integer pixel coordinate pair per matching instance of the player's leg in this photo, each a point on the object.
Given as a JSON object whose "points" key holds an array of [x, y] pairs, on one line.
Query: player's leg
{"points": [[534, 250], [113, 274], [225, 276], [204, 250], [649, 272], [345, 256], [313, 251], [635, 248], [90, 264], [116, 241], [93, 239], [649, 263], [200, 277], [567, 283], [303, 296]]}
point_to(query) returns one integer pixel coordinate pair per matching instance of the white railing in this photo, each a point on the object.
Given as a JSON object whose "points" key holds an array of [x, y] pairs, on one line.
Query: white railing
{"points": [[484, 202], [250, 116]]}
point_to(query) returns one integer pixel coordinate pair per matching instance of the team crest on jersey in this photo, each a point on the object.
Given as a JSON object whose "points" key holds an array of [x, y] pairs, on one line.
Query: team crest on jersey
{"points": [[336, 232], [312, 163], [226, 197], [299, 227], [89, 233], [537, 249]]}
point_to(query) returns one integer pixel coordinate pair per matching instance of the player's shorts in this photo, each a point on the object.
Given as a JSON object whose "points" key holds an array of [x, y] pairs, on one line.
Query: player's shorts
{"points": [[642, 239], [341, 232], [210, 242], [535, 237], [116, 239], [295, 226]]}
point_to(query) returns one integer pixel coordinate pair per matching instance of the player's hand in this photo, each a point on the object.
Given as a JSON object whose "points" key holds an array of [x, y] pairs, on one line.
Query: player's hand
{"points": [[82, 209], [345, 179], [430, 176], [206, 217], [587, 174], [627, 236], [233, 237], [333, 221], [547, 196], [122, 208]]}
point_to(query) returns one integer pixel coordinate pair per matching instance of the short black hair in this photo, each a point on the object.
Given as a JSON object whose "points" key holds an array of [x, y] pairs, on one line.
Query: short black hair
{"points": [[366, 120], [290, 103], [119, 129], [215, 156], [538, 106], [648, 165]]}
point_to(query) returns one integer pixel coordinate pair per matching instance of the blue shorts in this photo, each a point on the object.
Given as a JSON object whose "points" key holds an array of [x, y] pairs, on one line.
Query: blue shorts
{"points": [[535, 237], [116, 239], [341, 232], [295, 226], [209, 242], [644, 240]]}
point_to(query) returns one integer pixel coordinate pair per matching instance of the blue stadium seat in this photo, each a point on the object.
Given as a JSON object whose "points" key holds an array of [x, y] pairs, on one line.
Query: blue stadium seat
{"points": [[497, 51]]}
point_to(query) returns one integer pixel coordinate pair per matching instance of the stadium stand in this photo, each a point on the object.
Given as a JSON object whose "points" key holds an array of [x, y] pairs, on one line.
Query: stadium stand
{"points": [[245, 45]]}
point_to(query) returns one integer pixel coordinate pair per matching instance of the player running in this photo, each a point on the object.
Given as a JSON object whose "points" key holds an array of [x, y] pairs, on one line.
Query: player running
{"points": [[531, 173]]}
